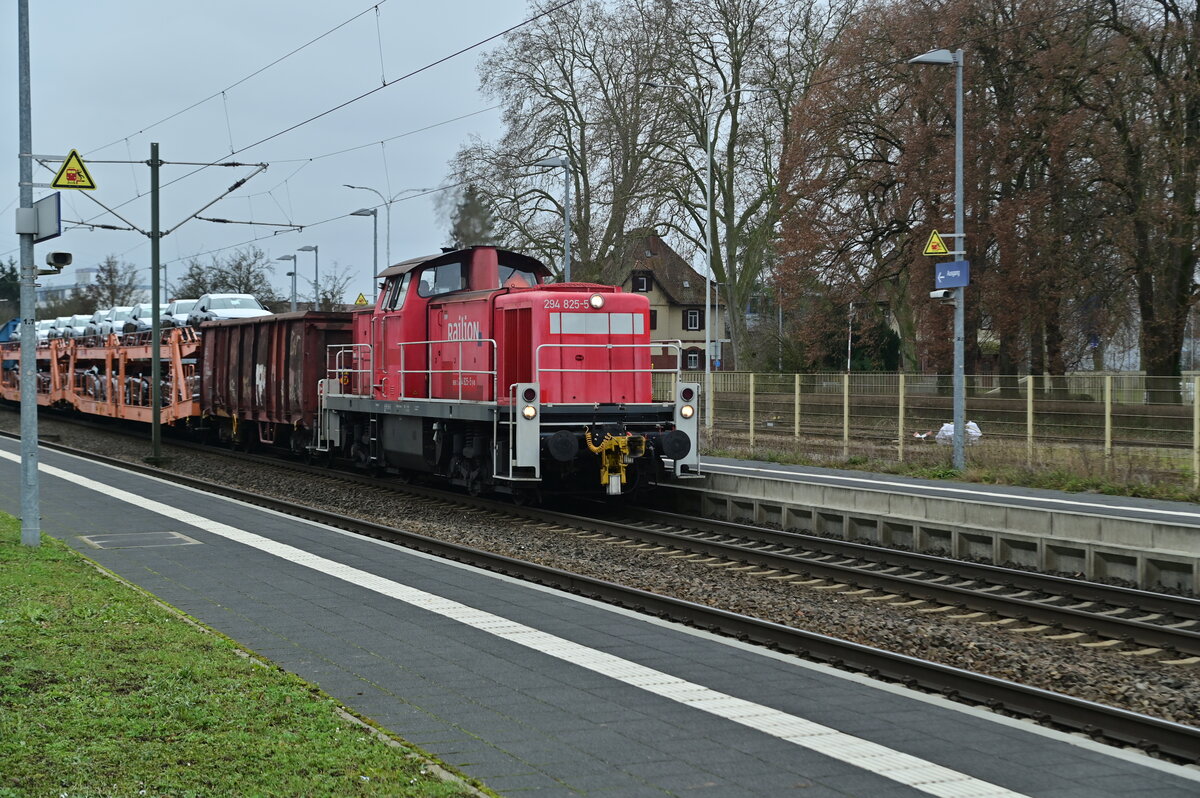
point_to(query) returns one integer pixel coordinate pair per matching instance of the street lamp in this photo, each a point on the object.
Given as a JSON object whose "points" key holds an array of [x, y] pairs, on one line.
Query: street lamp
{"points": [[374, 214], [947, 58], [316, 273], [291, 274], [714, 107], [562, 162], [387, 206]]}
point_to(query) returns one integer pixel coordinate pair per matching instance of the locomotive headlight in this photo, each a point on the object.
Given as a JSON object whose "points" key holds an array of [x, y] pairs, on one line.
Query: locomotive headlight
{"points": [[596, 301], [530, 412], [687, 411]]}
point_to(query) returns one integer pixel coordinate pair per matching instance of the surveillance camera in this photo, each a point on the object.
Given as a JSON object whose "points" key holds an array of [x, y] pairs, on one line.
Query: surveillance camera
{"points": [[55, 261], [943, 293]]}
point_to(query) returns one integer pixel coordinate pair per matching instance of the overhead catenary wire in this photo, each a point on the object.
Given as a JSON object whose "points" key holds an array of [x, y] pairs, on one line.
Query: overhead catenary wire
{"points": [[302, 227], [239, 82], [385, 84], [371, 92]]}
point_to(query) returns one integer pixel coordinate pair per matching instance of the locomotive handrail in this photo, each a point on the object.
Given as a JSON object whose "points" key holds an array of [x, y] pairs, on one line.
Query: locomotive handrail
{"points": [[429, 372], [673, 373], [353, 376], [538, 368], [340, 370]]}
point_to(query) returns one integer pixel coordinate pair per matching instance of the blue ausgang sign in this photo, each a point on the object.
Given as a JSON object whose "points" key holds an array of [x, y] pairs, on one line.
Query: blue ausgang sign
{"points": [[955, 274]]}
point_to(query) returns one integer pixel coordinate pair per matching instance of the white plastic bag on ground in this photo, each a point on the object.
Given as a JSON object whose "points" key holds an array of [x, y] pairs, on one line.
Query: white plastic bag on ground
{"points": [[945, 435]]}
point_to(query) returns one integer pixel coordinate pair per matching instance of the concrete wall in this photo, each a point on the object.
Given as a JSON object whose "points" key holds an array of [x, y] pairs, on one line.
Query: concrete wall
{"points": [[1152, 555]]}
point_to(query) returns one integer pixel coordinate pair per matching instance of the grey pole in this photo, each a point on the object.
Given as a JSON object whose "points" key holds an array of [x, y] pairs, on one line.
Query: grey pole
{"points": [[291, 274], [316, 273], [374, 214], [387, 206], [947, 58], [567, 221], [561, 161], [709, 212], [155, 325], [375, 256], [31, 520], [849, 334], [960, 410]]}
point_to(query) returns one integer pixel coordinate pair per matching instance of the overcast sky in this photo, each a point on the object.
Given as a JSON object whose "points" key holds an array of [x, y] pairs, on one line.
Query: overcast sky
{"points": [[105, 74]]}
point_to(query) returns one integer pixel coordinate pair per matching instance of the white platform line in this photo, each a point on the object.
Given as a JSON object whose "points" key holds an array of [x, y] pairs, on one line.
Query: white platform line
{"points": [[886, 762]]}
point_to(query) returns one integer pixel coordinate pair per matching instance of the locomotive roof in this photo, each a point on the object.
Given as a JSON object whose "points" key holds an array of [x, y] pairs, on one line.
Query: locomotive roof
{"points": [[505, 256]]}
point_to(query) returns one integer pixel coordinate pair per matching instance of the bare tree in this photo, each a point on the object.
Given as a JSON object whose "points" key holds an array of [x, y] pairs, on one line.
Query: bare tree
{"points": [[332, 291], [735, 71], [245, 271], [1146, 92], [869, 175], [572, 85], [115, 284]]}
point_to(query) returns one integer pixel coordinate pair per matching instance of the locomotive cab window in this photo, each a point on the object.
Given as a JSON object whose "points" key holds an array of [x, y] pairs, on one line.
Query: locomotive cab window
{"points": [[396, 290], [441, 280], [513, 277]]}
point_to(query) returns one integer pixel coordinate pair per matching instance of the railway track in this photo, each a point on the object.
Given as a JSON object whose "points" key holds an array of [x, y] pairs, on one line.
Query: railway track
{"points": [[730, 547], [1135, 622]]}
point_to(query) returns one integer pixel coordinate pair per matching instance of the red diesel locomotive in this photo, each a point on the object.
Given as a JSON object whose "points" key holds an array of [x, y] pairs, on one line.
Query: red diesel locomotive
{"points": [[470, 367], [473, 367]]}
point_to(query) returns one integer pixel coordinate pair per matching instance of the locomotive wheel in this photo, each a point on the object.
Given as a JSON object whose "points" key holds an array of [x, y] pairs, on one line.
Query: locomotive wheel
{"points": [[523, 497]]}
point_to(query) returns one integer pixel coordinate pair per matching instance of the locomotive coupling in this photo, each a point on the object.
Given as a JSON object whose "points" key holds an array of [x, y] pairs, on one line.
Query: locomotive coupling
{"points": [[616, 452]]}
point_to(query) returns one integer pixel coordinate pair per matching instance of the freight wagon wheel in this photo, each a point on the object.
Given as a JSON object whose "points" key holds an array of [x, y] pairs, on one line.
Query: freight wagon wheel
{"points": [[298, 443], [242, 440]]}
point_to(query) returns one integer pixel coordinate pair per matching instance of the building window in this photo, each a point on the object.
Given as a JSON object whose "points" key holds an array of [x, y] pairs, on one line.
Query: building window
{"points": [[693, 359], [653, 319], [692, 319], [641, 283]]}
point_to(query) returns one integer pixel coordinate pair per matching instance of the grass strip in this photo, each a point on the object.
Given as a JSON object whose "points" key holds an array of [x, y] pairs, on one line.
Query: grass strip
{"points": [[104, 692]]}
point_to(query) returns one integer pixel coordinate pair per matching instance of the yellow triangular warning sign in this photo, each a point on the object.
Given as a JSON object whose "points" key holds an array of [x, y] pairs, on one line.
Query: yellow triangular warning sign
{"points": [[73, 174], [936, 245], [362, 300]]}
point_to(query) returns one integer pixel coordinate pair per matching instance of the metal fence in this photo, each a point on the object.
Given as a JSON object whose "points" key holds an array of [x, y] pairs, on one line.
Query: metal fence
{"points": [[1126, 426]]}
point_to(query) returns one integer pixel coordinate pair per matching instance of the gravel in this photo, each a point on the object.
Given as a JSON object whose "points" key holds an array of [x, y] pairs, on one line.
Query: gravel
{"points": [[1135, 683]]}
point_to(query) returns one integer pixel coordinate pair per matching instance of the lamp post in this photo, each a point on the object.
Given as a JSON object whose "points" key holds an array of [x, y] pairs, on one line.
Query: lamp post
{"points": [[387, 206], [291, 274], [374, 214], [849, 335], [947, 58], [562, 162], [316, 273]]}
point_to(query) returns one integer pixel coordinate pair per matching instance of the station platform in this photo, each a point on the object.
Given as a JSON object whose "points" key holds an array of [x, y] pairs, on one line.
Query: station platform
{"points": [[1150, 543], [539, 693]]}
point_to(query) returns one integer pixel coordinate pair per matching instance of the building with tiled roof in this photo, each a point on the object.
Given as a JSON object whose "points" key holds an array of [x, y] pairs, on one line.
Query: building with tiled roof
{"points": [[676, 293]]}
